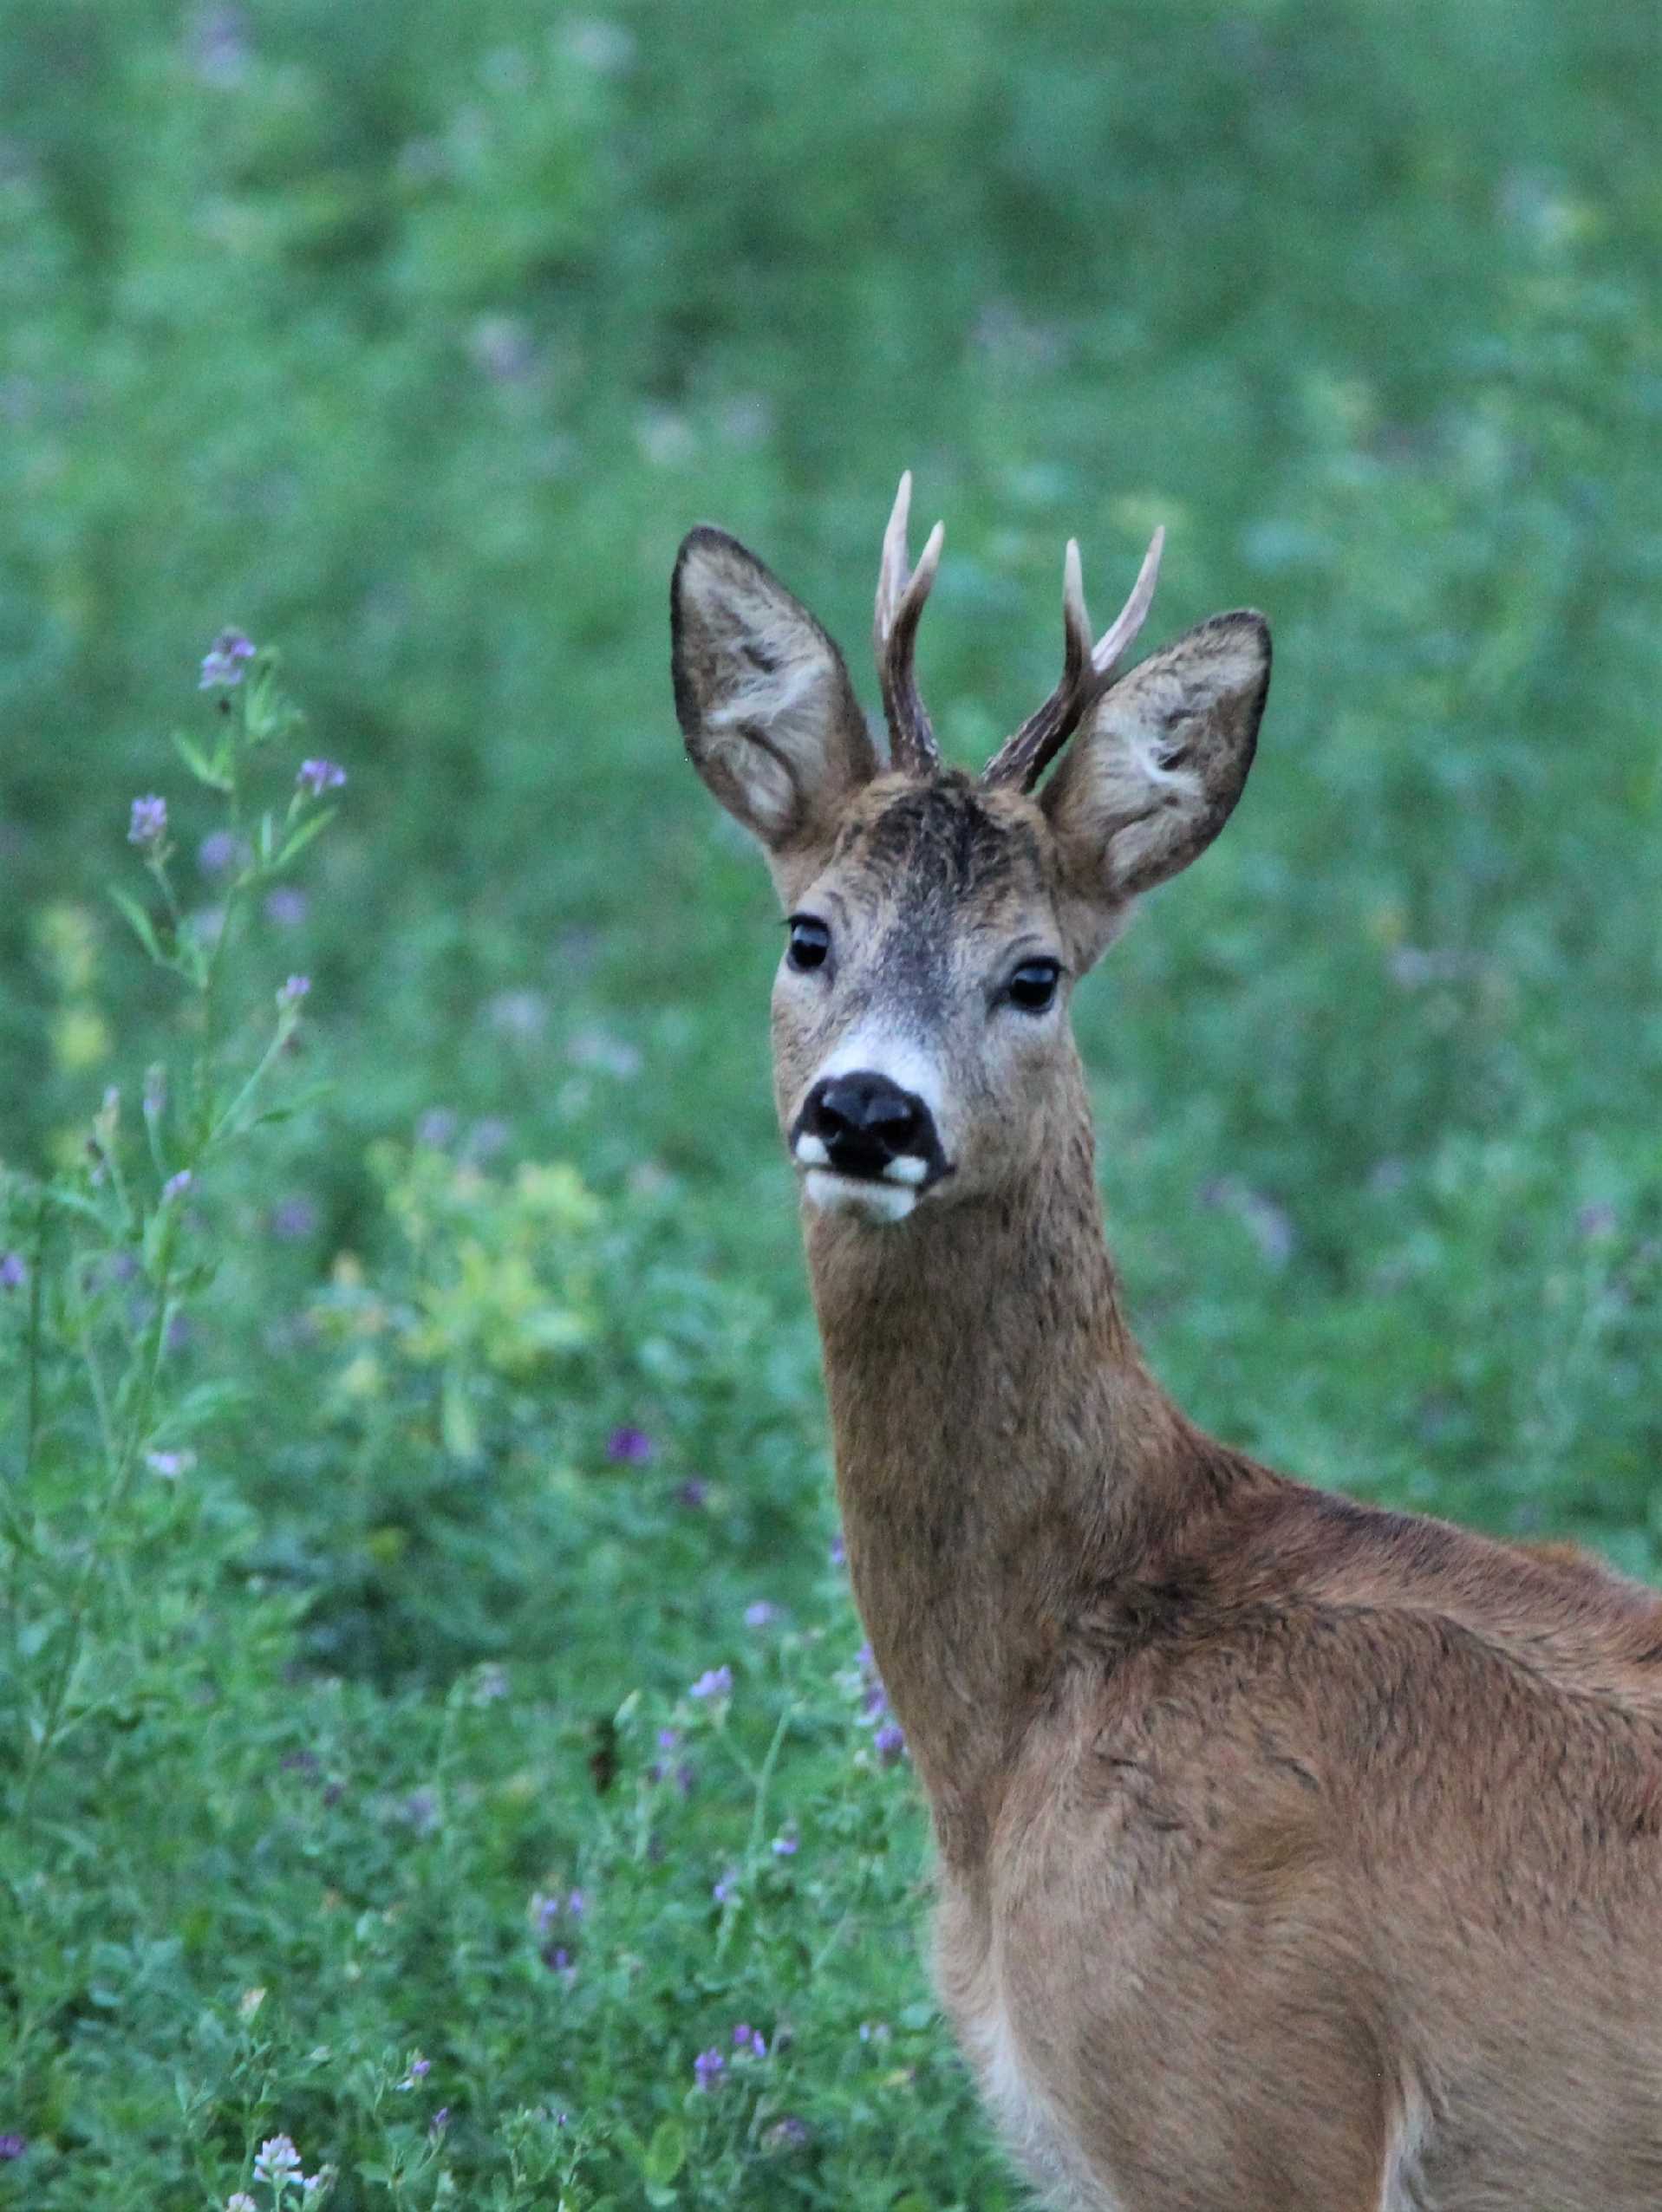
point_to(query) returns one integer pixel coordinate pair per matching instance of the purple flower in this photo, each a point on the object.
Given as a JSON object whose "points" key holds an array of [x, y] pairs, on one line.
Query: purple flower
{"points": [[630, 1447], [709, 2066], [293, 991], [545, 1910], [170, 1464], [788, 2134], [487, 1137], [218, 851], [13, 1273], [692, 1494], [149, 824], [176, 1186], [219, 47], [439, 2121], [761, 1615], [874, 1699], [518, 1013], [222, 665], [747, 2037], [293, 1220], [500, 345], [317, 777], [13, 2146], [838, 1551], [436, 1128], [725, 1888], [716, 1681], [286, 907], [421, 1811], [595, 44], [785, 1846], [891, 1742], [277, 2160]]}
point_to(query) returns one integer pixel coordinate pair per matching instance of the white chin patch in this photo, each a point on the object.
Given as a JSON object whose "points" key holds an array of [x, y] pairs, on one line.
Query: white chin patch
{"points": [[835, 1193]]}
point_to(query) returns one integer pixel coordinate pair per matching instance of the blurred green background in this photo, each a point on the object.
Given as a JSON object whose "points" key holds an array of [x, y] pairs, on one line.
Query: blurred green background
{"points": [[412, 336], [415, 339]]}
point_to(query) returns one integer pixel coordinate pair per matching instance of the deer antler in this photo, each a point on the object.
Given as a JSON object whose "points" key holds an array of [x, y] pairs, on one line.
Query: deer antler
{"points": [[902, 590], [1087, 671]]}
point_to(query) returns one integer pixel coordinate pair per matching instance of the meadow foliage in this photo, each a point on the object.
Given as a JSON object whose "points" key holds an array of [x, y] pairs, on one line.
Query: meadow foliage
{"points": [[438, 1760]]}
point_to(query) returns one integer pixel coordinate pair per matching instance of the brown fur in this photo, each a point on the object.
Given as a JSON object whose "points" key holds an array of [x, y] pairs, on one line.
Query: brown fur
{"points": [[1294, 1856]]}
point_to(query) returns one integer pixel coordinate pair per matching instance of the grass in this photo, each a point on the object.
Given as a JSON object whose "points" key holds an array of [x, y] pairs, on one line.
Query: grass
{"points": [[376, 1502]]}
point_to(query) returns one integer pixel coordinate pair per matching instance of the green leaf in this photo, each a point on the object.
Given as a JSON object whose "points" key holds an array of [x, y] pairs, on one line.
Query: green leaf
{"points": [[456, 1422], [666, 2154], [304, 836], [286, 1112], [206, 1402], [207, 771], [143, 927], [74, 1201]]}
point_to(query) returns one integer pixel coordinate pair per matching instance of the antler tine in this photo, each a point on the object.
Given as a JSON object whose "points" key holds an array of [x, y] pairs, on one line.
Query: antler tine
{"points": [[1116, 641], [1087, 671], [902, 590]]}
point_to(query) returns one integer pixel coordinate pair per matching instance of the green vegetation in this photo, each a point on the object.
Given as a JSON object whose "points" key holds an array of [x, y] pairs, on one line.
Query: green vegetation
{"points": [[430, 1723]]}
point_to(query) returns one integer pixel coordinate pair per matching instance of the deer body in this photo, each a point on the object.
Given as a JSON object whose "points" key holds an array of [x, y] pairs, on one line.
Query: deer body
{"points": [[1294, 1856]]}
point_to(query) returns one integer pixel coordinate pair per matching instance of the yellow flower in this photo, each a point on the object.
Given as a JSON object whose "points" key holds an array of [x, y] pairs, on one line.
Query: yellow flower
{"points": [[67, 946], [80, 1038], [363, 1377]]}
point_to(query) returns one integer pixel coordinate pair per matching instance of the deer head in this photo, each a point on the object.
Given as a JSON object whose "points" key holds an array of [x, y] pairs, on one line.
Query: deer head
{"points": [[938, 921]]}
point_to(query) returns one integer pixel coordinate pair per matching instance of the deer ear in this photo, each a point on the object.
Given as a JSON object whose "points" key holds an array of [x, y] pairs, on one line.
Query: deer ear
{"points": [[1155, 770], [763, 700]]}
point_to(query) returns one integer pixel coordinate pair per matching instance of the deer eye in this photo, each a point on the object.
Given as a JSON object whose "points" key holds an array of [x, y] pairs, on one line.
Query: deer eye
{"points": [[810, 942], [1033, 987]]}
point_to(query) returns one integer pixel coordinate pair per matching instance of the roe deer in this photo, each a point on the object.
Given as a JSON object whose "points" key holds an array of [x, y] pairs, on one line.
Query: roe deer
{"points": [[1294, 1855]]}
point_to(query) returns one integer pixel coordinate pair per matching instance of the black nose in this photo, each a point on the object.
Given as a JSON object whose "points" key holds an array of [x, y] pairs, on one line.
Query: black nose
{"points": [[865, 1121]]}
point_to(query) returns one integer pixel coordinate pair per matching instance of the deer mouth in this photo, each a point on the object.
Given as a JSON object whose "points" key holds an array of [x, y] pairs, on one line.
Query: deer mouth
{"points": [[873, 1197], [838, 1179], [864, 1143]]}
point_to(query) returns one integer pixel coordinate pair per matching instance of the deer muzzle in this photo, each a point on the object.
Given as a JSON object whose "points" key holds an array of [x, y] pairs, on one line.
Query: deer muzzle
{"points": [[866, 1144]]}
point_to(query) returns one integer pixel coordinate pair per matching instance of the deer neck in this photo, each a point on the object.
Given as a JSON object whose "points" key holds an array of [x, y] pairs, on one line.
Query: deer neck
{"points": [[1003, 1456]]}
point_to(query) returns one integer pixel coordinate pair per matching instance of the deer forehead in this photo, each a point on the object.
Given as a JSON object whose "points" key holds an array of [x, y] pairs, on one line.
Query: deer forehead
{"points": [[924, 869]]}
